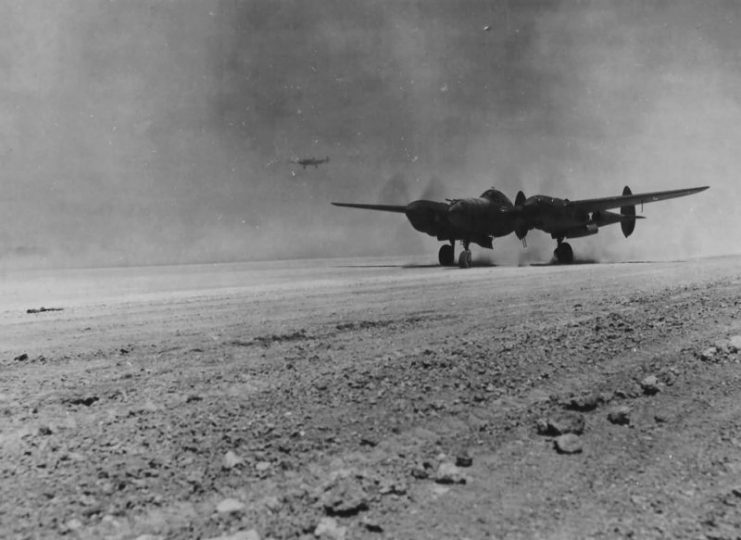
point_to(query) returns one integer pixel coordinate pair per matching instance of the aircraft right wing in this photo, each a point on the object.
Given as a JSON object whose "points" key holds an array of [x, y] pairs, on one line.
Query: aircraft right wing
{"points": [[607, 203], [381, 207]]}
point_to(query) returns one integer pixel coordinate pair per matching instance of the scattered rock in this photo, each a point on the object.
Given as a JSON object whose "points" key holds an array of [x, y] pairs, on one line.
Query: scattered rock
{"points": [[368, 441], [86, 401], [45, 430], [74, 524], [392, 488], [583, 403], [420, 471], [463, 459], [660, 418], [329, 529], [231, 460], [272, 503], [447, 473], [371, 525], [561, 424], [21, 358], [344, 497], [150, 537], [568, 444], [619, 416], [193, 397], [250, 534], [650, 385], [734, 344], [262, 466], [228, 506], [708, 354]]}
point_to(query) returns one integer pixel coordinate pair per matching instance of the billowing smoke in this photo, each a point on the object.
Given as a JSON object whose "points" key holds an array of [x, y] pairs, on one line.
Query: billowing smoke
{"points": [[140, 132]]}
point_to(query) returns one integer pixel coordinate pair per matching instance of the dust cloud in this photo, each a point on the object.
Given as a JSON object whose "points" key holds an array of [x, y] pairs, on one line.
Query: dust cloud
{"points": [[152, 132]]}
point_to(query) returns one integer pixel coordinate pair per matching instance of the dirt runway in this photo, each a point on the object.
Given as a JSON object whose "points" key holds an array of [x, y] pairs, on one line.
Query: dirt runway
{"points": [[372, 398]]}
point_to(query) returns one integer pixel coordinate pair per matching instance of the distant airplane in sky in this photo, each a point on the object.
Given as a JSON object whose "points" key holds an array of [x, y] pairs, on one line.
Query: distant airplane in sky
{"points": [[492, 215], [305, 162]]}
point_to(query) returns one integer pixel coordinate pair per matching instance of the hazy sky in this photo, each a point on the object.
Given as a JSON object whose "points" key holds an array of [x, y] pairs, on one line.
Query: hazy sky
{"points": [[161, 131]]}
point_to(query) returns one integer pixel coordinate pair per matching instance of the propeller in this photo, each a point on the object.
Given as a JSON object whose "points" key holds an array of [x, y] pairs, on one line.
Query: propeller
{"points": [[521, 224]]}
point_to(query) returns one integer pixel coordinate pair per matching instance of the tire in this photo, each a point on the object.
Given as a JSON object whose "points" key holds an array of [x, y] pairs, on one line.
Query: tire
{"points": [[564, 254], [464, 259], [446, 255]]}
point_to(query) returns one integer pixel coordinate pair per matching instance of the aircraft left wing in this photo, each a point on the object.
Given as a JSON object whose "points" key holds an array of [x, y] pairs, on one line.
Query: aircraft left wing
{"points": [[381, 207], [606, 203]]}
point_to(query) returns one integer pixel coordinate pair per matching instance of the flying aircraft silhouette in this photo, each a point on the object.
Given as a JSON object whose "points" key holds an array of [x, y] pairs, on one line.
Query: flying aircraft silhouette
{"points": [[305, 162], [492, 215]]}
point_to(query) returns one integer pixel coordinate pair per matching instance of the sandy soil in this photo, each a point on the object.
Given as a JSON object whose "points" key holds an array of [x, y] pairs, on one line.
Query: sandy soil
{"points": [[373, 399]]}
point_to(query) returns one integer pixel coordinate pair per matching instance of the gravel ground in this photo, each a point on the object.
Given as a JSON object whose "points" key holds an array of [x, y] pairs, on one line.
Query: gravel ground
{"points": [[373, 398]]}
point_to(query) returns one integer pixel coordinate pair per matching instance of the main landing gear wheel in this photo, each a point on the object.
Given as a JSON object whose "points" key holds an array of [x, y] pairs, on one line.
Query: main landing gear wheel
{"points": [[446, 255], [564, 254], [464, 259]]}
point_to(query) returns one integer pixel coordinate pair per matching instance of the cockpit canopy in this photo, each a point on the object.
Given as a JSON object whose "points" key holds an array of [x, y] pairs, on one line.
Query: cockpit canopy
{"points": [[497, 196]]}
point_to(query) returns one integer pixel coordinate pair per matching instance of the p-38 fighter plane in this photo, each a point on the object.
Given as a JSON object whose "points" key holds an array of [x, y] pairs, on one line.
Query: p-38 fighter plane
{"points": [[493, 215]]}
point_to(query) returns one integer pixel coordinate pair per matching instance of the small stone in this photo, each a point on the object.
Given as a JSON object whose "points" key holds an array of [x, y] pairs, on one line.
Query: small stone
{"points": [[583, 403], [228, 506], [344, 497], [272, 503], [734, 344], [231, 460], [371, 525], [329, 529], [447, 473], [650, 385], [419, 472], [619, 416], [561, 424], [463, 459], [263, 466], [368, 441], [74, 524], [568, 444], [150, 537], [394, 487], [193, 397], [660, 418], [708, 354], [45, 430], [21, 357]]}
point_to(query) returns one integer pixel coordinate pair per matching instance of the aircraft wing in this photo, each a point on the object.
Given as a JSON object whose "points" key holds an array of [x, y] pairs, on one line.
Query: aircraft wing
{"points": [[381, 207], [606, 203]]}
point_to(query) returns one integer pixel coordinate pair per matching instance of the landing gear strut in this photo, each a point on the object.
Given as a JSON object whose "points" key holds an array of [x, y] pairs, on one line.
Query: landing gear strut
{"points": [[446, 255], [563, 252], [464, 259]]}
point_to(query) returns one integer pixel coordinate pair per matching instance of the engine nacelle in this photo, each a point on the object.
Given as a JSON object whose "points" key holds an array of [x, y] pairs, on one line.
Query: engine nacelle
{"points": [[628, 225]]}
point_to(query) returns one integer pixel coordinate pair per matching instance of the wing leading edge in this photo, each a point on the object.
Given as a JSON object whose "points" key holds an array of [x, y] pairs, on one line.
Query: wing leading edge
{"points": [[606, 203], [381, 207]]}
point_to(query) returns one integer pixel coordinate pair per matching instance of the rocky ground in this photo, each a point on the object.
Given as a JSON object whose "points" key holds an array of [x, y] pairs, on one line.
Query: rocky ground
{"points": [[375, 399]]}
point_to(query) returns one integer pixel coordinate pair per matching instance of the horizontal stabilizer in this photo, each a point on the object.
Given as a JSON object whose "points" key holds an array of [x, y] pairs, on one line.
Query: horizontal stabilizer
{"points": [[380, 207]]}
